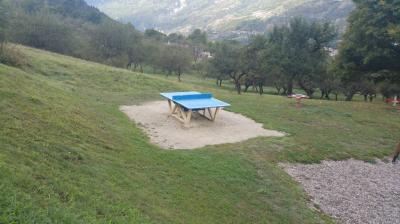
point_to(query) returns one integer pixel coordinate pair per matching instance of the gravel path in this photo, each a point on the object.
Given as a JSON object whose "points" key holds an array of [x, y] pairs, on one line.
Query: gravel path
{"points": [[352, 191]]}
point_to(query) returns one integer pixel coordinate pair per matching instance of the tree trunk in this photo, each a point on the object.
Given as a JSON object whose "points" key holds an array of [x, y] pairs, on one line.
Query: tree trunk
{"points": [[309, 91], [1, 47], [289, 90], [236, 79], [327, 95], [349, 96], [322, 94], [179, 75], [246, 87], [284, 93], [371, 98], [278, 89], [238, 86], [261, 89]]}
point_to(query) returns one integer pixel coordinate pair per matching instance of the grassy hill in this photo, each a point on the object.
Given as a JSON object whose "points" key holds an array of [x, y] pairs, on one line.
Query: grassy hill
{"points": [[68, 155]]}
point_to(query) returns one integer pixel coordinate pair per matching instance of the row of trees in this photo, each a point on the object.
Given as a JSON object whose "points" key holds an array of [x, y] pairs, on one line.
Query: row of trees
{"points": [[293, 55], [300, 55]]}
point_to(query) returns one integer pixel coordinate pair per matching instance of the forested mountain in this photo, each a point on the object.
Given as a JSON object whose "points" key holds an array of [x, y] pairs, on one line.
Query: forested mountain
{"points": [[74, 28], [77, 9], [222, 18], [66, 26]]}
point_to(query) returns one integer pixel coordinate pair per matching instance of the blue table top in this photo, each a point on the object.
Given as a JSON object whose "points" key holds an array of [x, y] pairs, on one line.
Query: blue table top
{"points": [[195, 100]]}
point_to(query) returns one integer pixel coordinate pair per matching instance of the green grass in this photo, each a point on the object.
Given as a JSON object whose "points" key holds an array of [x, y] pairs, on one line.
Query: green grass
{"points": [[68, 155]]}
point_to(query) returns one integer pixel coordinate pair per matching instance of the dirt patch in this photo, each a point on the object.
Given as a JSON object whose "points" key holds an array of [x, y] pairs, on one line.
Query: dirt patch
{"points": [[352, 191], [167, 132]]}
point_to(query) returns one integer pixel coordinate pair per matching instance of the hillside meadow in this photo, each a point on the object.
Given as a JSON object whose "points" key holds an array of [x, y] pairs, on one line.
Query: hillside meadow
{"points": [[68, 155]]}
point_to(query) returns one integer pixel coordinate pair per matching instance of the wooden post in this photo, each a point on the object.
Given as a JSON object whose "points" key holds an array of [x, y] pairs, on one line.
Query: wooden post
{"points": [[175, 109], [185, 117], [181, 114], [215, 113], [188, 118], [170, 106], [209, 112]]}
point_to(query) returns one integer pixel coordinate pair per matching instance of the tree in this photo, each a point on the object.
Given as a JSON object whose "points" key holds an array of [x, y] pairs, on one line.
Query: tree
{"points": [[152, 54], [136, 55], [228, 61], [134, 48], [198, 42], [370, 49], [300, 52], [389, 89], [154, 34], [368, 90], [176, 38], [208, 70], [3, 31], [198, 37], [3, 22], [175, 59], [278, 79], [254, 64], [117, 44], [43, 30], [329, 82]]}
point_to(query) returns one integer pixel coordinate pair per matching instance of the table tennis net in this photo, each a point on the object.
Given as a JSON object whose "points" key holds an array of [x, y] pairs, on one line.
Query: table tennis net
{"points": [[193, 96]]}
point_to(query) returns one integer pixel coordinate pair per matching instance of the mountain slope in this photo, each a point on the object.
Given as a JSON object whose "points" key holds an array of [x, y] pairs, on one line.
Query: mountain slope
{"points": [[220, 16]]}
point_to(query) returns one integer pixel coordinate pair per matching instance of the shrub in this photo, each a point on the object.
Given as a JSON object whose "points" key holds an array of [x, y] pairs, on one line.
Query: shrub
{"points": [[10, 55]]}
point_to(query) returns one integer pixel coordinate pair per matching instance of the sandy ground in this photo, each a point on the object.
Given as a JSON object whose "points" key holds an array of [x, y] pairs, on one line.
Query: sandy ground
{"points": [[352, 191], [167, 132]]}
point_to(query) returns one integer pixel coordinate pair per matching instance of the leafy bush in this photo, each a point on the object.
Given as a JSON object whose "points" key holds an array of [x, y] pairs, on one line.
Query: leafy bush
{"points": [[389, 89], [10, 55]]}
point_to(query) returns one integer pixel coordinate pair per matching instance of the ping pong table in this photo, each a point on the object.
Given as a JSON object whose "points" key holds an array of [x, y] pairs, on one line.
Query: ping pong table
{"points": [[183, 104]]}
